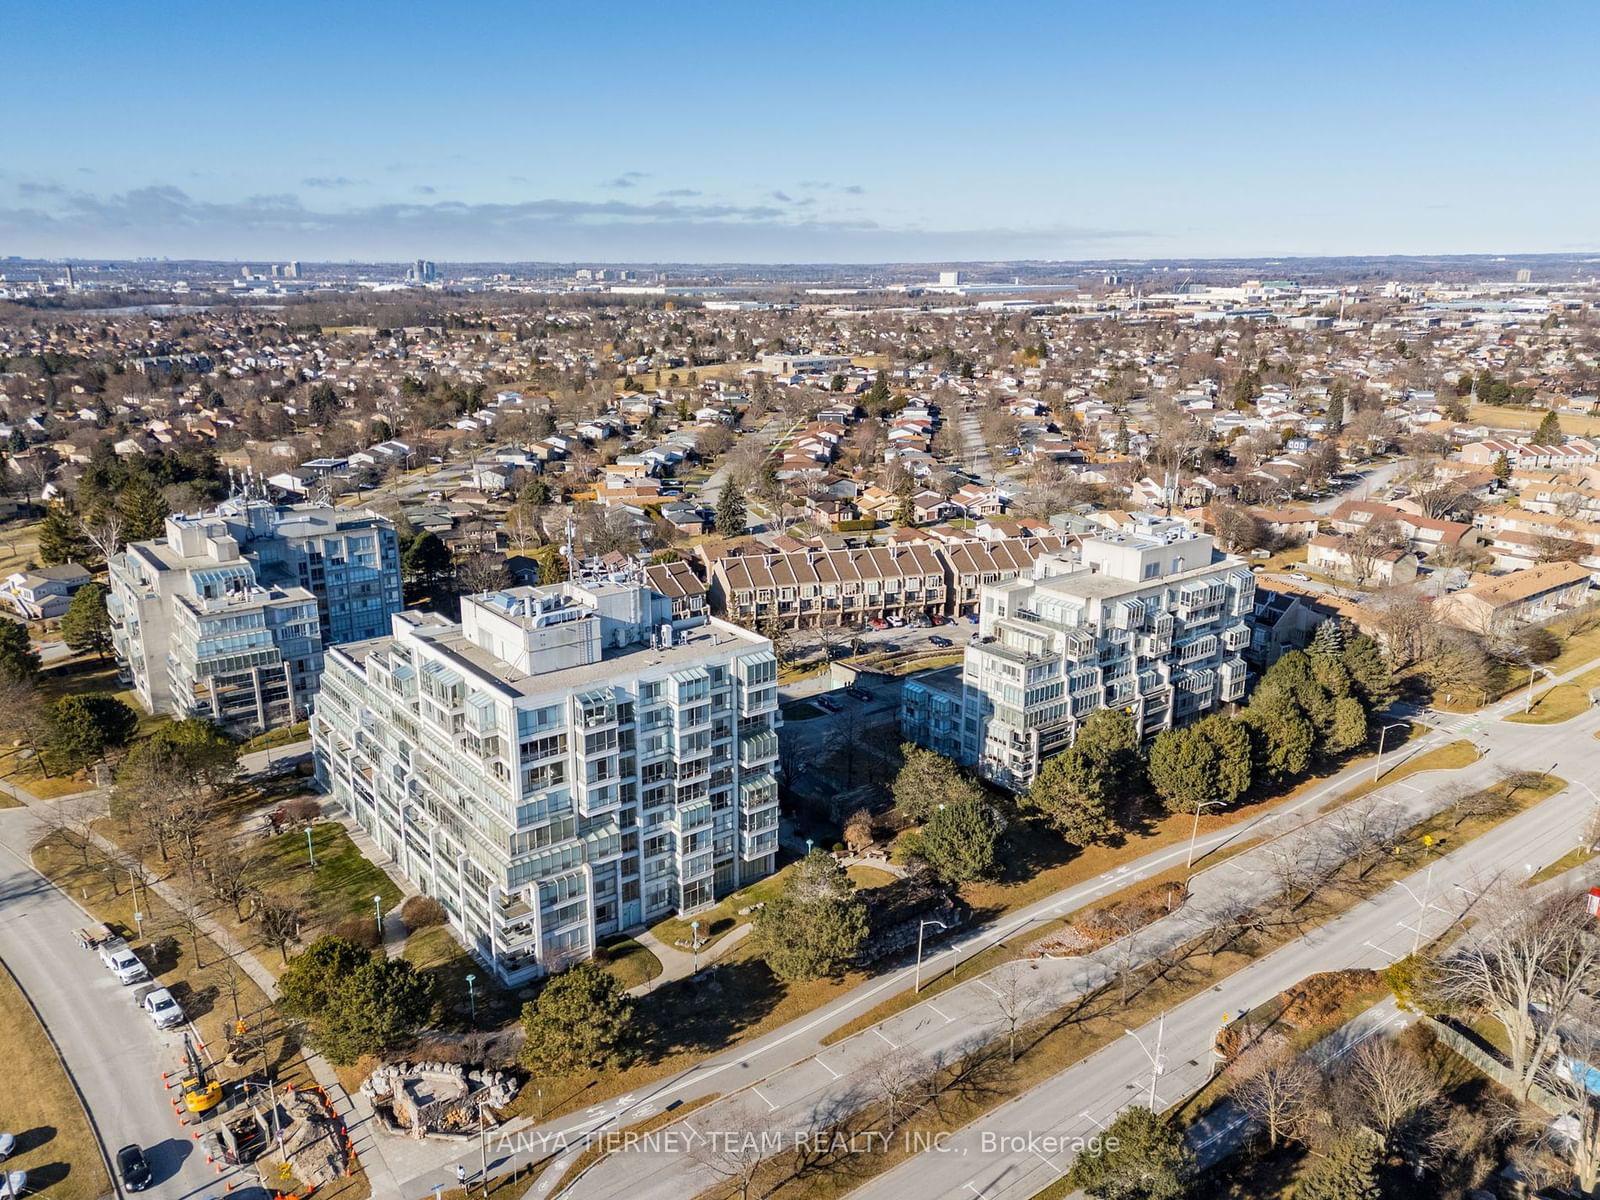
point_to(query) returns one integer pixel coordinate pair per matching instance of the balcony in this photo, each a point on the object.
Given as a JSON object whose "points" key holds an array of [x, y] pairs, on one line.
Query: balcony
{"points": [[755, 701], [758, 749], [757, 844]]}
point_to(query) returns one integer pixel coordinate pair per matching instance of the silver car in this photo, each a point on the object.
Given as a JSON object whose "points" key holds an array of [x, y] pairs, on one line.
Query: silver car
{"points": [[163, 1009]]}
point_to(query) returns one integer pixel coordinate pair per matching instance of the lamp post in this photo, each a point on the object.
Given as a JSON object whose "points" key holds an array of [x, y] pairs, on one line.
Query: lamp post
{"points": [[311, 852], [377, 912], [1194, 833], [694, 945], [1382, 734], [1158, 1062], [1528, 703], [472, 999], [483, 1152], [921, 925]]}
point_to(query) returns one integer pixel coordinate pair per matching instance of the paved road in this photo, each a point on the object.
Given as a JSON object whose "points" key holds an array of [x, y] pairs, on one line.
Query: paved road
{"points": [[943, 1028], [1019, 1149], [1372, 482], [110, 1047]]}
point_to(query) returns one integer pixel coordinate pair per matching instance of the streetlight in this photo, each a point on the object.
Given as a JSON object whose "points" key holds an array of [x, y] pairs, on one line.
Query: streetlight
{"points": [[377, 912], [1383, 733], [1423, 905], [1195, 832], [1528, 704], [472, 999], [694, 942], [921, 925], [310, 851], [1158, 1062]]}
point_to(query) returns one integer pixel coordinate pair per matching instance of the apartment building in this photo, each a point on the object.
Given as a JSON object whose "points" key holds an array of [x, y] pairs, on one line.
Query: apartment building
{"points": [[1499, 605], [567, 762], [811, 587], [1152, 619], [227, 616]]}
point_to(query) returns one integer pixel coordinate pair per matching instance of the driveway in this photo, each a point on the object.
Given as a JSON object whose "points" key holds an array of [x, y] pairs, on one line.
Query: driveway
{"points": [[111, 1049]]}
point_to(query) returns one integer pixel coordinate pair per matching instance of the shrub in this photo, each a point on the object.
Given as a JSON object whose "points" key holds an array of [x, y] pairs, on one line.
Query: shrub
{"points": [[419, 912], [303, 809], [363, 931]]}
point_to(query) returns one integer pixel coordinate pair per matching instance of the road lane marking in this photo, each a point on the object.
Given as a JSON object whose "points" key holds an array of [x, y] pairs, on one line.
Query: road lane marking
{"points": [[935, 1007], [771, 1107], [827, 1068], [884, 1036]]}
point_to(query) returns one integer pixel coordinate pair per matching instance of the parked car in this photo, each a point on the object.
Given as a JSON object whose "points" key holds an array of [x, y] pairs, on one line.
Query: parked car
{"points": [[163, 1009], [857, 693], [134, 1168], [972, 618], [1301, 576], [921, 623], [878, 623], [829, 705], [13, 1183], [123, 962], [936, 640], [940, 619], [896, 622], [8, 1143]]}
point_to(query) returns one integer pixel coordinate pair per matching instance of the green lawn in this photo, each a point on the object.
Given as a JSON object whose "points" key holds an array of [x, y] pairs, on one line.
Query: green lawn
{"points": [[629, 962], [276, 737], [344, 882], [869, 877], [724, 916]]}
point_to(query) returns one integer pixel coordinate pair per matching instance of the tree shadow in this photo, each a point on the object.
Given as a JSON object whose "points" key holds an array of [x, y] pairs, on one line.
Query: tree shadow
{"points": [[706, 1012]]}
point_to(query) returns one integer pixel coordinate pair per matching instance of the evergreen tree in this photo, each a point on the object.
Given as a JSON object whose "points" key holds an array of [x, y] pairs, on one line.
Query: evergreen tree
{"points": [[960, 840], [814, 928], [86, 626], [1283, 741], [1502, 467], [1335, 415], [1328, 641], [580, 1021], [925, 781], [731, 516], [1204, 763], [84, 727], [1370, 672], [1549, 431], [1348, 1171], [144, 508], [552, 564], [426, 561], [1141, 1157], [61, 540], [18, 658], [1078, 790]]}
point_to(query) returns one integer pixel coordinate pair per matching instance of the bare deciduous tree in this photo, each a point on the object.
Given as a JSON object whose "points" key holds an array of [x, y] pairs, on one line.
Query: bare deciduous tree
{"points": [[1275, 1087], [1523, 954]]}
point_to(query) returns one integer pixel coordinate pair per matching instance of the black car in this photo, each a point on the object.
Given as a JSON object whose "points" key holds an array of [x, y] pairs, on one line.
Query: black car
{"points": [[134, 1168], [828, 705], [940, 641], [858, 693]]}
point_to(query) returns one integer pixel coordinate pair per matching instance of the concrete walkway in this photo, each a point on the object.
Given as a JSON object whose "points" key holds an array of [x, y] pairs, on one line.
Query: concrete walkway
{"points": [[677, 963]]}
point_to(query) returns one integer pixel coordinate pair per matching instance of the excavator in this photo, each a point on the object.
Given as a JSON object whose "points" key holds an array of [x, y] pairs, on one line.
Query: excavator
{"points": [[201, 1093]]}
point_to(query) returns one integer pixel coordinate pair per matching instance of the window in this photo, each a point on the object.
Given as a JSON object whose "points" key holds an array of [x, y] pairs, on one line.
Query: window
{"points": [[1151, 570]]}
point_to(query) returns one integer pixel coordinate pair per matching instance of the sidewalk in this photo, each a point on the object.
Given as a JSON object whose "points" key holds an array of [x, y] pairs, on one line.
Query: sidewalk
{"points": [[677, 963], [355, 1110]]}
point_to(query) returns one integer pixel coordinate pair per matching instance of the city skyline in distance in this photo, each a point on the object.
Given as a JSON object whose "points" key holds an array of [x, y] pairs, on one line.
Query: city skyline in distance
{"points": [[823, 134]]}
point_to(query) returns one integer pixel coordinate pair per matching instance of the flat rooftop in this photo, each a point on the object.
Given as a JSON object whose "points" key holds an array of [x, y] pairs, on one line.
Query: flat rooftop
{"points": [[690, 648]]}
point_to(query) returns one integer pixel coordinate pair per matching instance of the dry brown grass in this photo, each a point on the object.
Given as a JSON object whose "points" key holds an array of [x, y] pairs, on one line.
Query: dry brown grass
{"points": [[60, 1151]]}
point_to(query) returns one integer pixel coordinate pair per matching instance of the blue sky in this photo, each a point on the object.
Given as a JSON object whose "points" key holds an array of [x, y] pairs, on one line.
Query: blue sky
{"points": [[771, 132]]}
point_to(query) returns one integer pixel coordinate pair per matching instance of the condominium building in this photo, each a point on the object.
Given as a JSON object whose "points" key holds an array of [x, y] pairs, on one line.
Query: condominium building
{"points": [[227, 616], [1152, 620], [567, 762]]}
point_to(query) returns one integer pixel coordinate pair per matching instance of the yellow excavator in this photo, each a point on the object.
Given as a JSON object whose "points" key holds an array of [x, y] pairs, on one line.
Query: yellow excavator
{"points": [[201, 1093]]}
